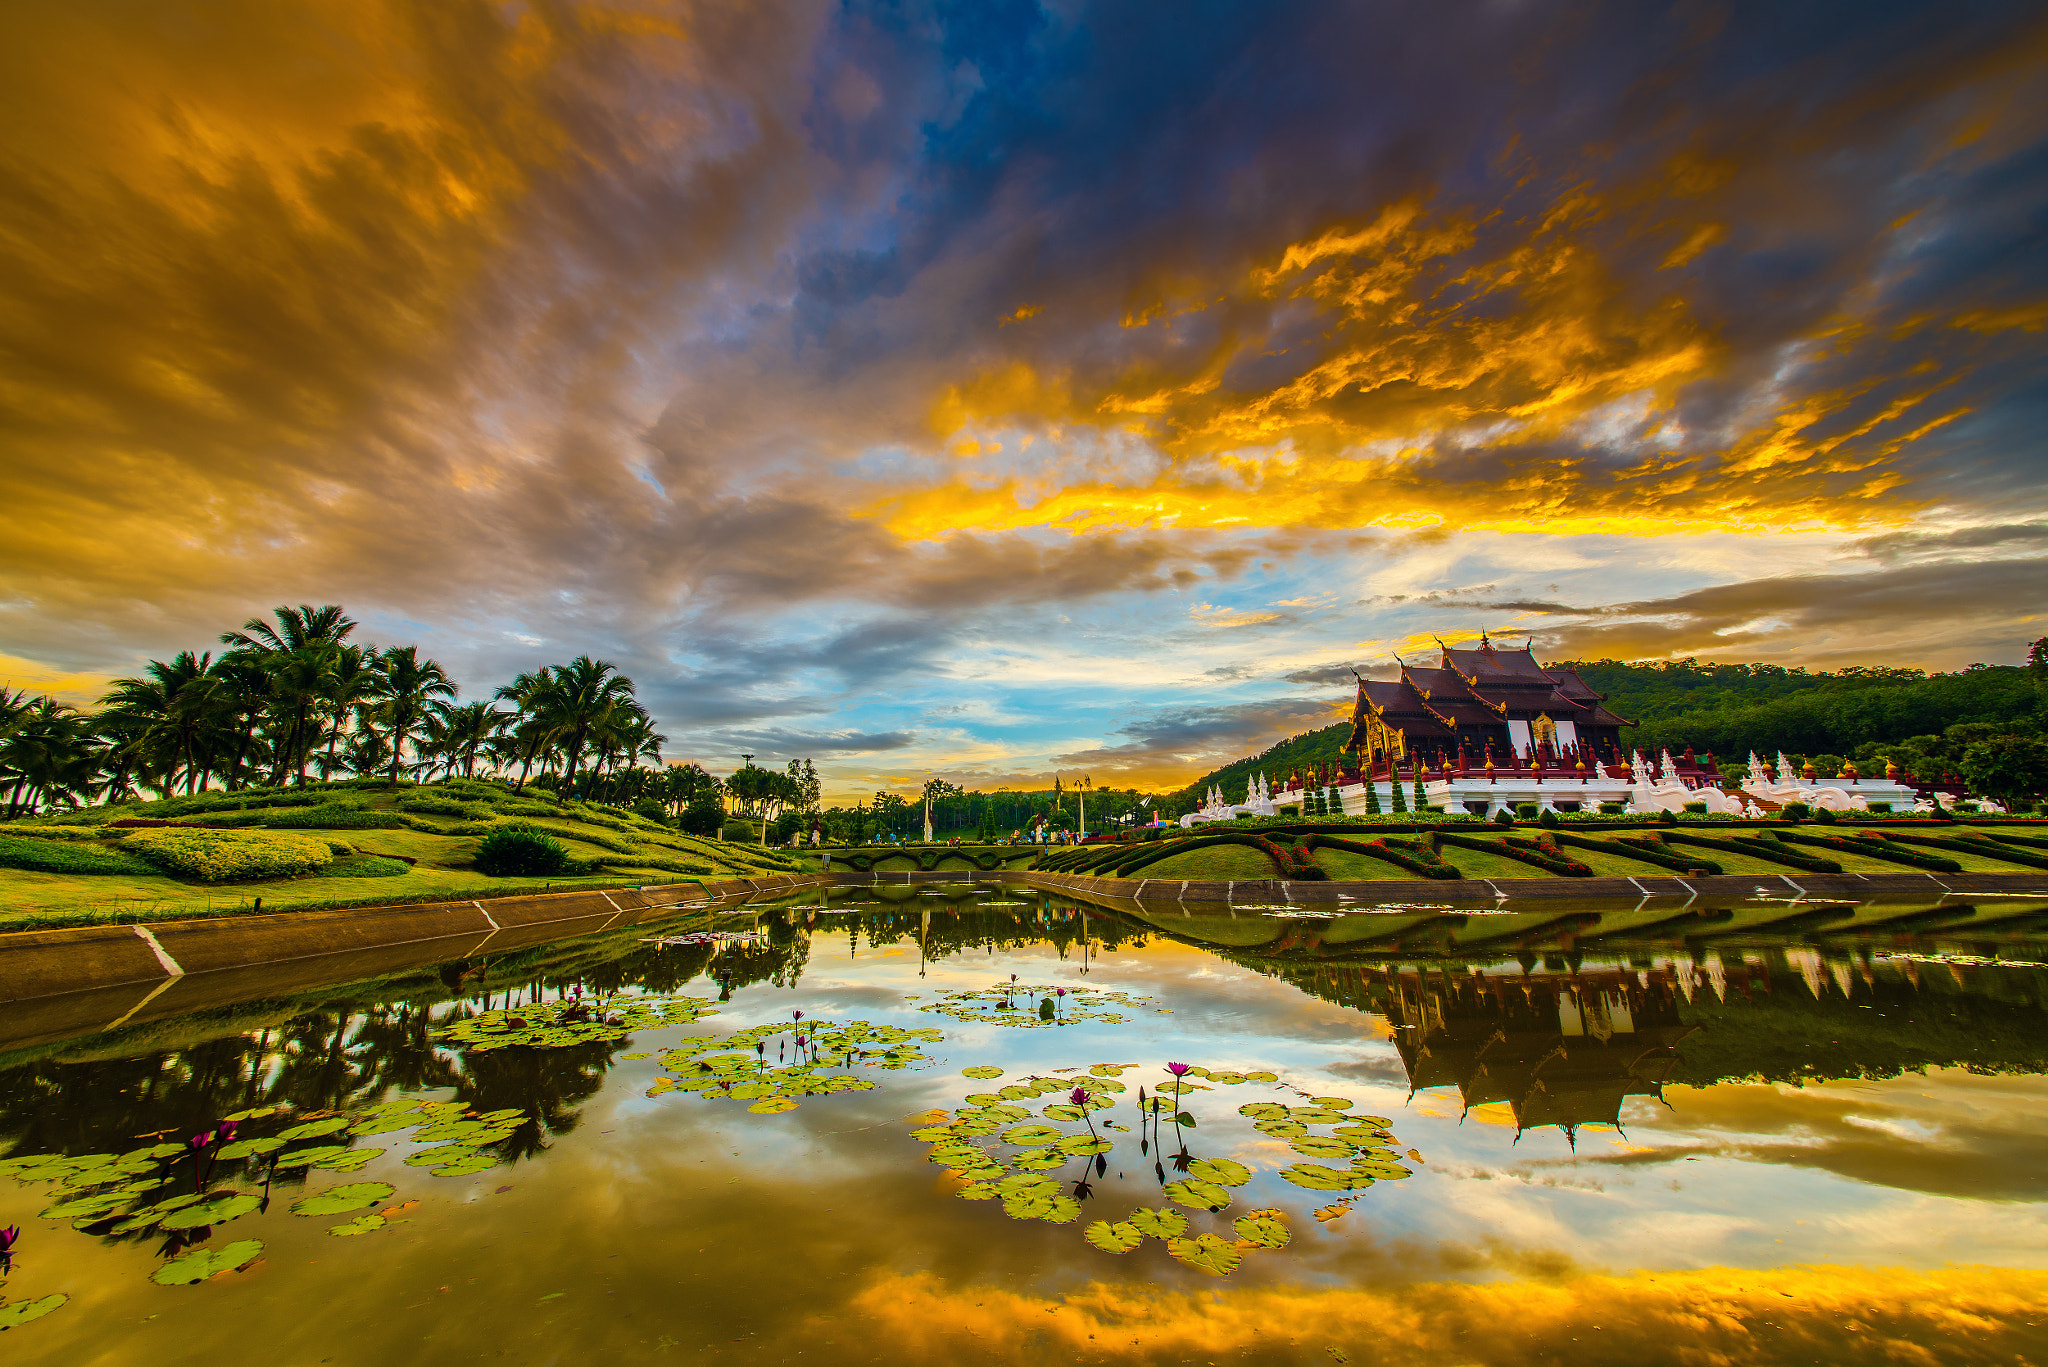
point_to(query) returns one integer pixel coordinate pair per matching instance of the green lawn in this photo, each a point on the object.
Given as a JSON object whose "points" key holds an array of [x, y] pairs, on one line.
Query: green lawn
{"points": [[634, 851], [1357, 868], [1225, 862]]}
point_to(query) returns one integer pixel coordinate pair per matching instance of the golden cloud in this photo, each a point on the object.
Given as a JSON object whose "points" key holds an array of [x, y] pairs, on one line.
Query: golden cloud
{"points": [[1708, 1318]]}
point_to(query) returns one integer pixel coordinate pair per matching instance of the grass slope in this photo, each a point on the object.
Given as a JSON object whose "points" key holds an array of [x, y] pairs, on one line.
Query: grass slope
{"points": [[443, 825]]}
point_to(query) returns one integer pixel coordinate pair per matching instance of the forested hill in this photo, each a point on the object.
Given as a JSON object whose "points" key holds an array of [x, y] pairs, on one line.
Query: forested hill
{"points": [[1731, 709]]}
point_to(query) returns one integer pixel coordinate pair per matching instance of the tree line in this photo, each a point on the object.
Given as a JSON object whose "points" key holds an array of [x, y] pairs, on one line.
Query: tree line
{"points": [[295, 696]]}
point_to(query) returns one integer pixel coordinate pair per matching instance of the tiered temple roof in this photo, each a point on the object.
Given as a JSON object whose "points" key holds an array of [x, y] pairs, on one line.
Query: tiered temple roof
{"points": [[1470, 698]]}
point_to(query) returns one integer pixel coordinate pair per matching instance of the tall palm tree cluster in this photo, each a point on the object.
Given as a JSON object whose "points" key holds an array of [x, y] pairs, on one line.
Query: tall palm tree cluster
{"points": [[295, 695]]}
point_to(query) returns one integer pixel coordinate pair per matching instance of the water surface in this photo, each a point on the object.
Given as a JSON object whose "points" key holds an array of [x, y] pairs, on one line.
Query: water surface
{"points": [[1770, 1147]]}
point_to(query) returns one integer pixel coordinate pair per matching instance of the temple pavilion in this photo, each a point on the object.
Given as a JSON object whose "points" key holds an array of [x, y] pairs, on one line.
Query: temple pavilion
{"points": [[1488, 703]]}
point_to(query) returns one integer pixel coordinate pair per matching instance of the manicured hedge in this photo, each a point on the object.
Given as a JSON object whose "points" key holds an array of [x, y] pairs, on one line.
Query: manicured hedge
{"points": [[1417, 859], [67, 856], [332, 818], [1977, 845], [521, 851], [987, 858], [1770, 851], [72, 833], [1876, 847], [1648, 848], [211, 856], [1548, 858]]}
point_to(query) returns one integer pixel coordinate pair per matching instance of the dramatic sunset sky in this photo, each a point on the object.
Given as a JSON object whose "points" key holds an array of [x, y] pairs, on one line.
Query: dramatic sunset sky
{"points": [[998, 388]]}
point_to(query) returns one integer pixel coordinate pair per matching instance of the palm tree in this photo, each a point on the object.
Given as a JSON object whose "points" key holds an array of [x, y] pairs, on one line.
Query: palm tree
{"points": [[465, 730], [46, 750], [175, 711], [351, 680], [410, 686], [298, 654], [583, 696]]}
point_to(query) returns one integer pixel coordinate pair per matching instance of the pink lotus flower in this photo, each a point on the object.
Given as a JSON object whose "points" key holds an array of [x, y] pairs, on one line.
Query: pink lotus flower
{"points": [[1080, 1097], [1177, 1069]]}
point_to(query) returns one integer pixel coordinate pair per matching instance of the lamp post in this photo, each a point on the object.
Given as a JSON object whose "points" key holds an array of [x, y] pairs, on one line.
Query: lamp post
{"points": [[1081, 787]]}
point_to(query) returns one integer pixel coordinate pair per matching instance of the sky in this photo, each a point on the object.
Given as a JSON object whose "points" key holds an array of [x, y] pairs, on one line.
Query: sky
{"points": [[1000, 389]]}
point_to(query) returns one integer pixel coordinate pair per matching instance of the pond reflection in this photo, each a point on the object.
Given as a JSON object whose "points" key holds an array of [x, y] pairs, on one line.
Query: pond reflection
{"points": [[1600, 1140]]}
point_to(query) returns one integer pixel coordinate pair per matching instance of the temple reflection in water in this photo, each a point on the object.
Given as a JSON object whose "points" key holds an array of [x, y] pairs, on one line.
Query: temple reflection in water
{"points": [[1557, 1051]]}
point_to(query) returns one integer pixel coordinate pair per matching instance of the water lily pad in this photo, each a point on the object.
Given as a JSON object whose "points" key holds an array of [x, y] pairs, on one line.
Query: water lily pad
{"points": [[1206, 1253], [433, 1158], [17, 1313], [1120, 1237], [773, 1105], [202, 1263], [1334, 1103], [1316, 1177], [1110, 1069], [1223, 1172], [1285, 1129], [981, 1072], [350, 1160], [1062, 1111], [1065, 1210], [306, 1158], [313, 1129], [1263, 1227], [979, 1191], [954, 1154], [1196, 1194], [1028, 1184], [217, 1210], [1383, 1171], [343, 1199], [1323, 1146], [501, 1117], [1261, 1076], [1028, 1207], [1031, 1134], [247, 1148], [1085, 1145], [1040, 1160], [462, 1167], [362, 1224], [386, 1124], [84, 1206], [932, 1134], [258, 1114], [1262, 1110], [1363, 1134], [1227, 1079]]}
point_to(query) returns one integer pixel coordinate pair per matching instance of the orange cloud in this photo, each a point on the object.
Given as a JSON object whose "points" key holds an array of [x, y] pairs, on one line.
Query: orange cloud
{"points": [[1708, 1318]]}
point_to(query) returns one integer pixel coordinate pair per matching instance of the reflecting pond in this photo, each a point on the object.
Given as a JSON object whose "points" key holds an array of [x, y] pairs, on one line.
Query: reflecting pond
{"points": [[976, 1123]]}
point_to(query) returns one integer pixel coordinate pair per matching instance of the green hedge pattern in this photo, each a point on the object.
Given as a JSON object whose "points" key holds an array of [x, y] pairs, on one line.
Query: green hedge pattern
{"points": [[1770, 851], [1417, 859], [1875, 848], [68, 856], [1548, 858], [1648, 848]]}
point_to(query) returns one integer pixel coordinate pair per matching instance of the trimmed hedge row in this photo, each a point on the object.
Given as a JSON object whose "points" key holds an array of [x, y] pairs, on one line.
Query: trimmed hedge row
{"points": [[1770, 851], [67, 856], [1647, 848], [1417, 859], [927, 857], [1875, 848], [1977, 845], [1550, 859]]}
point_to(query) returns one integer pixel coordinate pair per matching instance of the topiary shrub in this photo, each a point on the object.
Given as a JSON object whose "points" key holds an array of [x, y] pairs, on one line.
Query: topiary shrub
{"points": [[1526, 811], [216, 856], [1548, 819], [67, 856], [1503, 817], [1667, 818], [1824, 816], [1795, 811], [739, 830], [1613, 808], [520, 851]]}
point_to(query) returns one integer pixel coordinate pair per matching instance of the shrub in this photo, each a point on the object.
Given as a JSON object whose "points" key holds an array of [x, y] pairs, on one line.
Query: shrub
{"points": [[1613, 808], [1696, 808], [1526, 811], [1824, 816], [739, 830], [521, 851], [1548, 819], [52, 832], [333, 817], [1795, 811], [1886, 807], [367, 866], [434, 806], [647, 809], [66, 856], [215, 856], [704, 814], [1503, 817]]}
